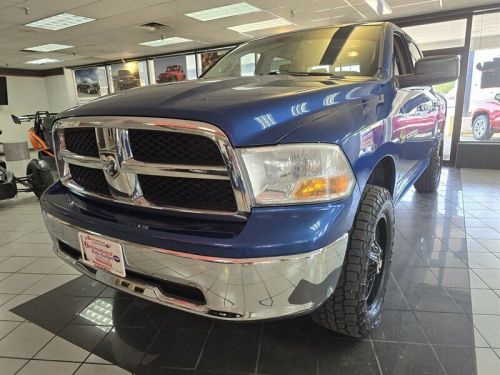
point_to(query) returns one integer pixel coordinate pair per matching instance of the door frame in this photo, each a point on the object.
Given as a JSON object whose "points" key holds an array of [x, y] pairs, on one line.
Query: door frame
{"points": [[463, 52]]}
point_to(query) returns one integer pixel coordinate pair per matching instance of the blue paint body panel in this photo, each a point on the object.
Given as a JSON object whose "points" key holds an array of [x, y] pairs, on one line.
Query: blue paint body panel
{"points": [[370, 118], [266, 232]]}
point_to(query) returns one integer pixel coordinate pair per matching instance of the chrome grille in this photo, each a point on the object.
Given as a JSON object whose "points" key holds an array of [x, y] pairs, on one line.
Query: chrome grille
{"points": [[174, 148], [81, 141], [181, 165], [92, 180], [188, 192]]}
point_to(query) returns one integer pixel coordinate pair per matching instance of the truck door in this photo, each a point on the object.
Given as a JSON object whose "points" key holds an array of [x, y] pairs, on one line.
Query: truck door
{"points": [[414, 116]]}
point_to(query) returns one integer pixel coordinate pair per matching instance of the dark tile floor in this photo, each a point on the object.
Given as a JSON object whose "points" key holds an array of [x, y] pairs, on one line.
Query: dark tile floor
{"points": [[441, 314]]}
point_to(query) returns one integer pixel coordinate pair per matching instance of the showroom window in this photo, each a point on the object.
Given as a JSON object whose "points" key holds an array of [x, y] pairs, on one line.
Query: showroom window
{"points": [[481, 113]]}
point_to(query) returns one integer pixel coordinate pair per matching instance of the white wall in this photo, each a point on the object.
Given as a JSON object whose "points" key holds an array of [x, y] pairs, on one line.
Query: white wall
{"points": [[61, 93], [26, 95], [30, 94]]}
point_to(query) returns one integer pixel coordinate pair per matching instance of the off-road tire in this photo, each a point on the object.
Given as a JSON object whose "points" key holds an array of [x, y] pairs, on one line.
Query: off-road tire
{"points": [[41, 179], [428, 181], [347, 311], [486, 134]]}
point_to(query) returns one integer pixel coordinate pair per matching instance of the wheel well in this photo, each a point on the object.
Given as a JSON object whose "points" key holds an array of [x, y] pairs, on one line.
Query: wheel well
{"points": [[384, 174], [479, 113]]}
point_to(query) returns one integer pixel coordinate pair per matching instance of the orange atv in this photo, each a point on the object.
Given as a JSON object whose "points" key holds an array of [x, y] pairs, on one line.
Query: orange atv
{"points": [[40, 134]]}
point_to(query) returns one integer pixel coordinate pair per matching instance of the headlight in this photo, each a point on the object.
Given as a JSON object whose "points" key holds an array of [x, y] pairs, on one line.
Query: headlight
{"points": [[298, 173]]}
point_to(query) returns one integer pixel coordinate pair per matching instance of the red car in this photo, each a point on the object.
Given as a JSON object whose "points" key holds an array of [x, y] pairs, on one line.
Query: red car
{"points": [[172, 73], [486, 119]]}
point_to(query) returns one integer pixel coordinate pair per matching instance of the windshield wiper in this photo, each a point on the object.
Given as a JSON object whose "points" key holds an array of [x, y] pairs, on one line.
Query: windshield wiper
{"points": [[304, 74]]}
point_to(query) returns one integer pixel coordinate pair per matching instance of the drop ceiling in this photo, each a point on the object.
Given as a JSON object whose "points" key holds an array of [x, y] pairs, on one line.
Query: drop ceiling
{"points": [[115, 34]]}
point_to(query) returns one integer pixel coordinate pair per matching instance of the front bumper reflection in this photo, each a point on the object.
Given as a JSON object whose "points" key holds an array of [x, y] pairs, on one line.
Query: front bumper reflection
{"points": [[233, 288]]}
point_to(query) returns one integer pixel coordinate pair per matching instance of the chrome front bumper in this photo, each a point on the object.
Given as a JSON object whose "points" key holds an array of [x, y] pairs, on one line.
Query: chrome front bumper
{"points": [[234, 289]]}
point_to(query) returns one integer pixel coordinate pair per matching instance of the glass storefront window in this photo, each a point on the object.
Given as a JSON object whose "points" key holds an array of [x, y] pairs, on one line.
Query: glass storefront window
{"points": [[481, 114]]}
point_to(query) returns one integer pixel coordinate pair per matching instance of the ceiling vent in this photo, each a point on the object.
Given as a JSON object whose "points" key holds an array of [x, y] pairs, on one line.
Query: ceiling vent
{"points": [[154, 26]]}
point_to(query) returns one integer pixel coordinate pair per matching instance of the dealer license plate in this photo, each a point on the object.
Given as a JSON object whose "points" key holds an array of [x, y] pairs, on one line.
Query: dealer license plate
{"points": [[102, 254]]}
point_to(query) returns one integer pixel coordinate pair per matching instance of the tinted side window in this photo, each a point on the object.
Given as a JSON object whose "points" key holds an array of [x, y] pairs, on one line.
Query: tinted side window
{"points": [[414, 52], [401, 59]]}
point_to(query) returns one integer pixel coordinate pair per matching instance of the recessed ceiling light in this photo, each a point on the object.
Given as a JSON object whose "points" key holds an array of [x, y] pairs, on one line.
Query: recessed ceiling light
{"points": [[247, 27], [165, 42], [222, 12], [42, 61], [48, 47], [379, 6], [60, 21]]}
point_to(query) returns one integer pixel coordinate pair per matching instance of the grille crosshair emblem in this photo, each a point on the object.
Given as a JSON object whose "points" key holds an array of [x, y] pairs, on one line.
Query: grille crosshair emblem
{"points": [[114, 149], [110, 165]]}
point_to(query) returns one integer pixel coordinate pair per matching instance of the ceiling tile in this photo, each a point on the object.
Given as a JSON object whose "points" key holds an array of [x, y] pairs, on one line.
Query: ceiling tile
{"points": [[115, 33]]}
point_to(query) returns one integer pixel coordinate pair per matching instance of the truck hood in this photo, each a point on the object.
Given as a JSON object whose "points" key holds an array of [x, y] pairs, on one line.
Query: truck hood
{"points": [[250, 110]]}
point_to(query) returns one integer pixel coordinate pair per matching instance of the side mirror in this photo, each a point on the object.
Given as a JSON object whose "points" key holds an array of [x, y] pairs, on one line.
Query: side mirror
{"points": [[430, 71], [15, 119], [497, 97]]}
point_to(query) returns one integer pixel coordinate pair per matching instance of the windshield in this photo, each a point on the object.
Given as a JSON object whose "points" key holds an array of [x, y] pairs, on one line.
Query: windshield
{"points": [[340, 51]]}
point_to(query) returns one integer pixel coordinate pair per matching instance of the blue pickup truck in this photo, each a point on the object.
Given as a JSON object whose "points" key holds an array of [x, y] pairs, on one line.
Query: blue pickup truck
{"points": [[265, 189]]}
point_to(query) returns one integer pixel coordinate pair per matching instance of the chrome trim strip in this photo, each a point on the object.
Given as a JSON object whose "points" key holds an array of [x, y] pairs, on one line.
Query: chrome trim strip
{"points": [[234, 289], [140, 201], [153, 169], [121, 169], [251, 261], [175, 170], [83, 161]]}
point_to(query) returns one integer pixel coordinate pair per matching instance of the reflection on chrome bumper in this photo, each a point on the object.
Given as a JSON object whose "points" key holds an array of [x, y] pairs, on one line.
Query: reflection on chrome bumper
{"points": [[235, 289]]}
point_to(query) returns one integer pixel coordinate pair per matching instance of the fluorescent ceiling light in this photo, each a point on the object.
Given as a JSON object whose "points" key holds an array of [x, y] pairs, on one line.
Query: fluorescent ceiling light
{"points": [[48, 47], [379, 6], [42, 61], [60, 21], [165, 42], [223, 12], [247, 27]]}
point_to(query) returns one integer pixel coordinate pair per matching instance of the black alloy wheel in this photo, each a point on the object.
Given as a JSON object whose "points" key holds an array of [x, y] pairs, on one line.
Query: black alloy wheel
{"points": [[354, 307], [376, 266]]}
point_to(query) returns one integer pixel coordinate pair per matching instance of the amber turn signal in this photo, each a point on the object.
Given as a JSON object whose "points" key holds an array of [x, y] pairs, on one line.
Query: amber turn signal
{"points": [[322, 187]]}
